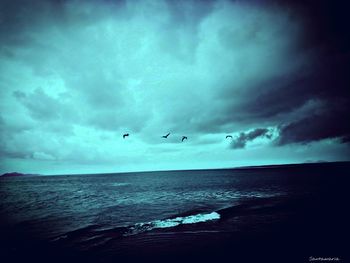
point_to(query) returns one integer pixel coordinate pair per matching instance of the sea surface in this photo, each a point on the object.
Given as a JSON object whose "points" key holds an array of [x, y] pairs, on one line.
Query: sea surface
{"points": [[193, 214]]}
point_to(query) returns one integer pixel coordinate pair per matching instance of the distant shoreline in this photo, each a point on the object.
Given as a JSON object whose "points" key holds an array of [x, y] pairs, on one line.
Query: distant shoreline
{"points": [[15, 174], [271, 166]]}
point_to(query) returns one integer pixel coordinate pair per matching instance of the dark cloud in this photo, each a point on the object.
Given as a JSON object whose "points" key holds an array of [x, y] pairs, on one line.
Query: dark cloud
{"points": [[322, 59], [16, 155], [327, 82], [241, 140], [19, 94], [196, 68], [325, 22], [20, 17], [316, 128], [40, 105]]}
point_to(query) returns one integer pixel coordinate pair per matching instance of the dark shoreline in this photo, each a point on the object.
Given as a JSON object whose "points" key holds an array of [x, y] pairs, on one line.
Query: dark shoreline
{"points": [[295, 165]]}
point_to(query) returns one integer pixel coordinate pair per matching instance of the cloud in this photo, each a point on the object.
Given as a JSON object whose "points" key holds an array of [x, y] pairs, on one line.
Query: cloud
{"points": [[43, 156], [76, 72], [170, 58], [40, 105], [316, 128], [243, 138]]}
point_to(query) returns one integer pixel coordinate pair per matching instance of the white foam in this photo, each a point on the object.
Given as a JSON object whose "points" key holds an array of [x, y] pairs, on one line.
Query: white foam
{"points": [[119, 184], [185, 220], [166, 223], [192, 219], [178, 221], [200, 218]]}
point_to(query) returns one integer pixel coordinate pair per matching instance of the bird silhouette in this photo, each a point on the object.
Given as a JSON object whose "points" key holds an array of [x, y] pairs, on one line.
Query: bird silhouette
{"points": [[166, 136], [228, 136], [125, 135], [184, 138]]}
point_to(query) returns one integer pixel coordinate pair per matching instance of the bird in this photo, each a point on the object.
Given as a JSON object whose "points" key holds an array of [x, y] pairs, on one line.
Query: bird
{"points": [[166, 136], [228, 136], [125, 135], [183, 138]]}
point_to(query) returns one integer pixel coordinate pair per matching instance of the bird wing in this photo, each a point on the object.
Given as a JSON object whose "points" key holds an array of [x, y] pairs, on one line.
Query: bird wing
{"points": [[167, 134]]}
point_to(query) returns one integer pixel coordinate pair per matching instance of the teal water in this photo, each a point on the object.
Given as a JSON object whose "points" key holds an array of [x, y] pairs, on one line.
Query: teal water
{"points": [[93, 209]]}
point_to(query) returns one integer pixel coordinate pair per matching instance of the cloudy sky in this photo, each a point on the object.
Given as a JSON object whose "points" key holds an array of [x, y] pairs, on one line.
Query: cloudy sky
{"points": [[76, 75]]}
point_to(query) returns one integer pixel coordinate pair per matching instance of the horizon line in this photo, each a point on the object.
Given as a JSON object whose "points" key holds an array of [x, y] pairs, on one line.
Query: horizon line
{"points": [[196, 169]]}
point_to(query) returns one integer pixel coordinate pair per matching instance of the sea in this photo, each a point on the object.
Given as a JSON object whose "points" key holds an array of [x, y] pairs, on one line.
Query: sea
{"points": [[282, 213]]}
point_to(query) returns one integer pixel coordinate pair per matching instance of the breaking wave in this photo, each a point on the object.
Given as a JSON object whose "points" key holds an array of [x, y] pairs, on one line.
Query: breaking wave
{"points": [[120, 184], [172, 222]]}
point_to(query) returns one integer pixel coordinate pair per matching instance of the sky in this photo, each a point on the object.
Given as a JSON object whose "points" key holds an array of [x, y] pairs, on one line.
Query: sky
{"points": [[77, 75]]}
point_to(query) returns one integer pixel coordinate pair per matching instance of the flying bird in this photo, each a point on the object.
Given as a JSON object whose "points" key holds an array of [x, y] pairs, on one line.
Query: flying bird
{"points": [[184, 138], [166, 136], [228, 136], [125, 135]]}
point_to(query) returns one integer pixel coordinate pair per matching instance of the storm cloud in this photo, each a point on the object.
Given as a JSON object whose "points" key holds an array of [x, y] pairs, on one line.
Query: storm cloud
{"points": [[241, 140], [75, 75], [315, 128]]}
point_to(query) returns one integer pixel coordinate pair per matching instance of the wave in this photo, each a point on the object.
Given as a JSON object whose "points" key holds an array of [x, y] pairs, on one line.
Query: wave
{"points": [[120, 184], [93, 232], [247, 207], [98, 235], [172, 222]]}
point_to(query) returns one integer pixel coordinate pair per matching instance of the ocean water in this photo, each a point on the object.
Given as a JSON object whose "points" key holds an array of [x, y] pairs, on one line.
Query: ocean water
{"points": [[117, 214]]}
